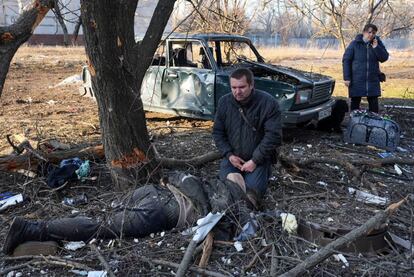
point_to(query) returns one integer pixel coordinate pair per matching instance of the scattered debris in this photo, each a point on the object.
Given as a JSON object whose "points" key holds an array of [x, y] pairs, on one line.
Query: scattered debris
{"points": [[74, 245], [397, 169], [238, 245], [368, 197], [402, 242], [74, 79], [248, 231], [81, 199], [289, 223], [341, 257], [10, 201]]}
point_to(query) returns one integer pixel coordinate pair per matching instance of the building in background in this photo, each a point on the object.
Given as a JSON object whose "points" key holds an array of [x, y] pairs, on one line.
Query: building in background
{"points": [[51, 31]]}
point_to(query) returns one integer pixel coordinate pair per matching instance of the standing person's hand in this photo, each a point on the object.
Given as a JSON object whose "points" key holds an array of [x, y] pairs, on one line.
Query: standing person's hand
{"points": [[236, 161], [249, 166], [347, 83], [374, 43]]}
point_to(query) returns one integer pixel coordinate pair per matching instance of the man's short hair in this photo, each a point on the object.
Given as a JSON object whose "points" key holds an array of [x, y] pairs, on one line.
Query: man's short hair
{"points": [[372, 26], [240, 72]]}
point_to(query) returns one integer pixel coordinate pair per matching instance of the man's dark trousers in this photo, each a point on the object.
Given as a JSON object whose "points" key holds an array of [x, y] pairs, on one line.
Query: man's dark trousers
{"points": [[256, 180]]}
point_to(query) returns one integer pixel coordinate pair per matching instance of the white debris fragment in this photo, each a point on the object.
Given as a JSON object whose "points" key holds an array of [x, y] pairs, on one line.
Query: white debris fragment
{"points": [[74, 245], [110, 243], [330, 219], [263, 242], [295, 150], [368, 198], [70, 80], [322, 184], [136, 240], [79, 272], [309, 146], [11, 201], [226, 260], [205, 224], [162, 234], [238, 245], [340, 257], [152, 235], [397, 169], [27, 173], [159, 243], [97, 273], [289, 223]]}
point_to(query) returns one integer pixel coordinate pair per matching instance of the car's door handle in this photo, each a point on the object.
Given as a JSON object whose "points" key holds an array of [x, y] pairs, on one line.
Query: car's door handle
{"points": [[172, 75]]}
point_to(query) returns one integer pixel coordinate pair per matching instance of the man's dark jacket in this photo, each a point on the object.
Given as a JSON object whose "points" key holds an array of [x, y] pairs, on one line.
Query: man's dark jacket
{"points": [[360, 65], [256, 140]]}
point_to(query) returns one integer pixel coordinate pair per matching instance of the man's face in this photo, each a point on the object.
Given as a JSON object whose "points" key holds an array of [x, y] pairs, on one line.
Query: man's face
{"points": [[369, 35], [240, 88]]}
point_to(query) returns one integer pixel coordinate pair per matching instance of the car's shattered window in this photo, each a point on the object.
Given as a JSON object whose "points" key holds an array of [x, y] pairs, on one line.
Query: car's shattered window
{"points": [[233, 52], [189, 54]]}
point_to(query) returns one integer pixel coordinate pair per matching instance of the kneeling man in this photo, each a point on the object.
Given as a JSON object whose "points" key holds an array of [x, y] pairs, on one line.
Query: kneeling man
{"points": [[247, 131]]}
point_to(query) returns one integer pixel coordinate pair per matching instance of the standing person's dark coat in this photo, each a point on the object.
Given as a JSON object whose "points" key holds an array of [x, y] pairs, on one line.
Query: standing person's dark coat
{"points": [[361, 66]]}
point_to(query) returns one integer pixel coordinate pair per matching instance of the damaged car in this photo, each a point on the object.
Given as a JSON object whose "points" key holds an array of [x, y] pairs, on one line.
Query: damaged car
{"points": [[190, 73]]}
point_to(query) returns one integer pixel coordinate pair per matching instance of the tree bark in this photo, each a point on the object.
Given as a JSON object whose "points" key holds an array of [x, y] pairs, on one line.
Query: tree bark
{"points": [[117, 65], [11, 37]]}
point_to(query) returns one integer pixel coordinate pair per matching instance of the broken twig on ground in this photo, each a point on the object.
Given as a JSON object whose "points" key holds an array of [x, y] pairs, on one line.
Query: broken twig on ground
{"points": [[330, 249]]}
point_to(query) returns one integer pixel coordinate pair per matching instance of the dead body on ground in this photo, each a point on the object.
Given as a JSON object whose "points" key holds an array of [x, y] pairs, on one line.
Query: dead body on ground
{"points": [[177, 202]]}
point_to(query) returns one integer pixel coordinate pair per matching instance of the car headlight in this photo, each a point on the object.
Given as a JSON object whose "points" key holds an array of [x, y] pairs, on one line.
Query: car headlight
{"points": [[303, 96]]}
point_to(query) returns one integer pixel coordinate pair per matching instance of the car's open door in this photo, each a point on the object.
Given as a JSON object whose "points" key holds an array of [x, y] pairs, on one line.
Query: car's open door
{"points": [[188, 83]]}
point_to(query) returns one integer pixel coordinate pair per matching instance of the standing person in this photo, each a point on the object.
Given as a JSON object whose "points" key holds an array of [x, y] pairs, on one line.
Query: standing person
{"points": [[361, 69], [247, 131]]}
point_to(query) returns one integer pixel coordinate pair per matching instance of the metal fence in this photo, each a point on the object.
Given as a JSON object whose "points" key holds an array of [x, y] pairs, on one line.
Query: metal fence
{"points": [[274, 41]]}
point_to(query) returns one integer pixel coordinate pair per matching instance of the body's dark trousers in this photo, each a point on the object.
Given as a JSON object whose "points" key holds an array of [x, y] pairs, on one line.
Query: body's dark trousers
{"points": [[373, 105], [150, 209]]}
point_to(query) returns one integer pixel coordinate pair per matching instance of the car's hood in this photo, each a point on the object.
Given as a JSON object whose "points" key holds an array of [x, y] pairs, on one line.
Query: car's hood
{"points": [[302, 76]]}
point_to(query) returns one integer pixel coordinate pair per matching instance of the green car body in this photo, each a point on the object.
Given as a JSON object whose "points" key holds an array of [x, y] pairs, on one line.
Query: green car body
{"points": [[190, 73]]}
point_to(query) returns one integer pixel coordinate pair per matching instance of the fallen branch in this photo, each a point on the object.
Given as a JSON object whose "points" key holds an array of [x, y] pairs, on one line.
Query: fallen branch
{"points": [[102, 260], [193, 268], [207, 249], [30, 162], [188, 257], [52, 260], [332, 247], [196, 161]]}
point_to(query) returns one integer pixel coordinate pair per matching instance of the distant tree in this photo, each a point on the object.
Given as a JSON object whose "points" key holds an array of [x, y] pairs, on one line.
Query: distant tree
{"points": [[59, 17], [343, 19], [13, 36], [217, 16]]}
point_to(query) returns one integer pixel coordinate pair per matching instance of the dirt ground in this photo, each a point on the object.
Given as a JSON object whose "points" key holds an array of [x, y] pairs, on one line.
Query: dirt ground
{"points": [[33, 106]]}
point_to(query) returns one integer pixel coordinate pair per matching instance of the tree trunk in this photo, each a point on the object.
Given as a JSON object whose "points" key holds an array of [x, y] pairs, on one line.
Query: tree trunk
{"points": [[11, 37], [62, 23], [76, 29], [117, 65]]}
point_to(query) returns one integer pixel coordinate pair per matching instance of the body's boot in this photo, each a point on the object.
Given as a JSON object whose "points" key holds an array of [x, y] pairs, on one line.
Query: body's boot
{"points": [[70, 229], [21, 231]]}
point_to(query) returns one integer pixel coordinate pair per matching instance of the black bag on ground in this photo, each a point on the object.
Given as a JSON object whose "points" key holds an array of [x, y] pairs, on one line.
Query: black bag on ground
{"points": [[368, 128]]}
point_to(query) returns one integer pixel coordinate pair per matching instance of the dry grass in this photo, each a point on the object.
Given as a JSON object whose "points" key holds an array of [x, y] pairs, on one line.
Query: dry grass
{"points": [[399, 68]]}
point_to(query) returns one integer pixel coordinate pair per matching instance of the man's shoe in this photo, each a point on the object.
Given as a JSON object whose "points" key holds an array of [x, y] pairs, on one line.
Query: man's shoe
{"points": [[15, 236]]}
